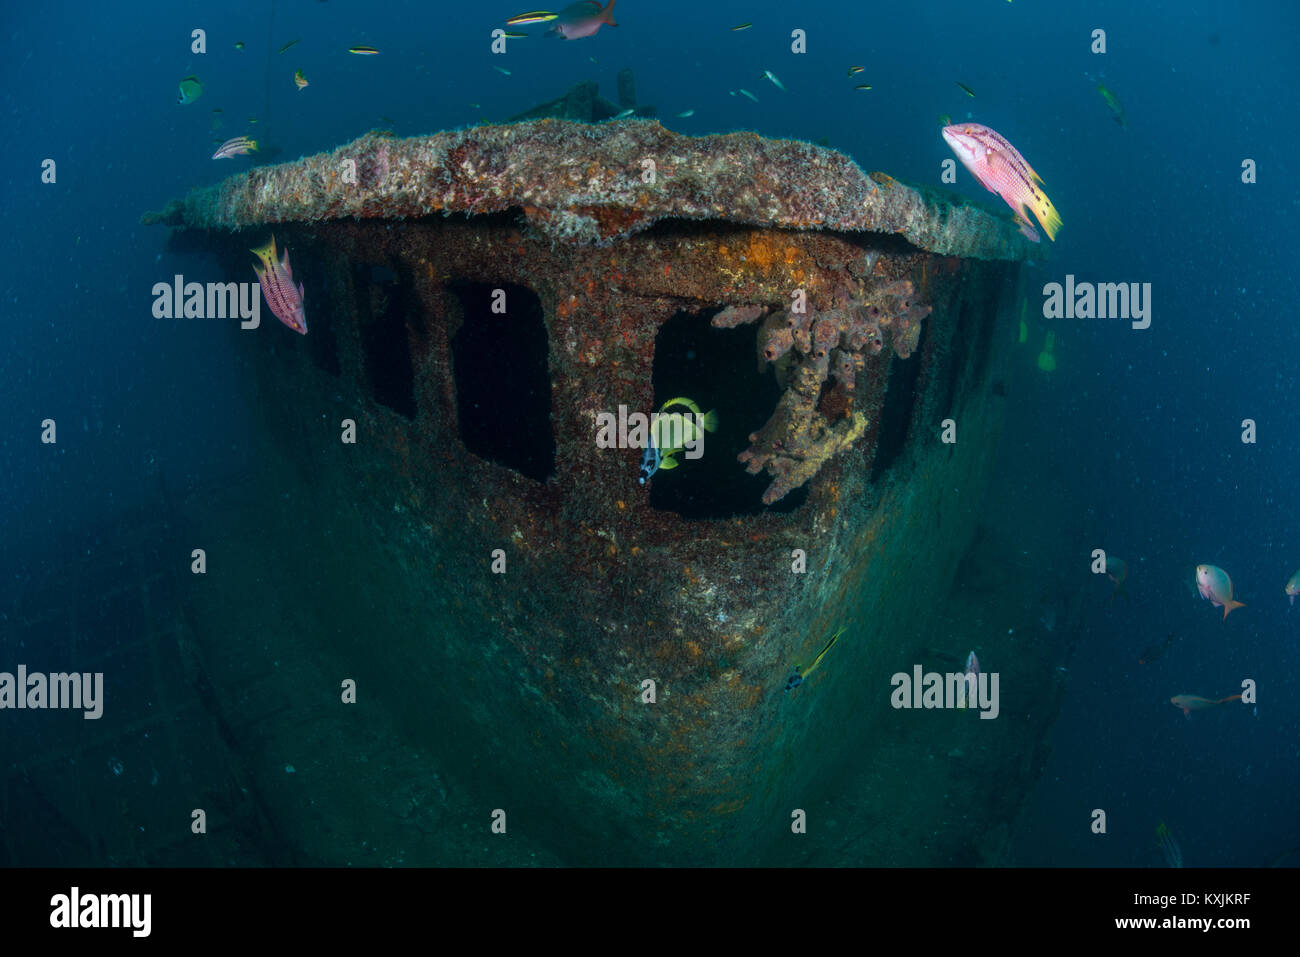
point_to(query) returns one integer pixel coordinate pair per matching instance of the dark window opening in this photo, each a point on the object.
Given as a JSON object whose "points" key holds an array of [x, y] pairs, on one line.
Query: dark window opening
{"points": [[988, 323], [503, 380], [900, 402], [387, 305], [958, 347], [718, 370], [322, 346]]}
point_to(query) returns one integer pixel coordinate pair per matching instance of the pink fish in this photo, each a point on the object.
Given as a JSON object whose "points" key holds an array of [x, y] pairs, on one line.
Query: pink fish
{"points": [[1213, 583], [282, 296], [1001, 169], [1191, 702], [970, 680], [1028, 231], [239, 146], [583, 19]]}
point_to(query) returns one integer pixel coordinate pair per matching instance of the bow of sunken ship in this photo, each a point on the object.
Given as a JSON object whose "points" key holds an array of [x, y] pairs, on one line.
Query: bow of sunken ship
{"points": [[606, 660]]}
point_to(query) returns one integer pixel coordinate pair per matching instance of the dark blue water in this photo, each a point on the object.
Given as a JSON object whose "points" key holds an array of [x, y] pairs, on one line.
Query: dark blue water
{"points": [[1145, 425]]}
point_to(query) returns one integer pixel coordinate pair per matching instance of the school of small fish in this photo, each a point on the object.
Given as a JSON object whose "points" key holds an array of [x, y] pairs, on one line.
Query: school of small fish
{"points": [[1212, 584]]}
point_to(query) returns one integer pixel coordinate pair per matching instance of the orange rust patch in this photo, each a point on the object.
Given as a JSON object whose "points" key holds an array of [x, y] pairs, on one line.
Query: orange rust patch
{"points": [[730, 807]]}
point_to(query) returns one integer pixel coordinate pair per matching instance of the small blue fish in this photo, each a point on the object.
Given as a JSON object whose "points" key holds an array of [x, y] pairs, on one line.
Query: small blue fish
{"points": [[650, 460], [190, 89]]}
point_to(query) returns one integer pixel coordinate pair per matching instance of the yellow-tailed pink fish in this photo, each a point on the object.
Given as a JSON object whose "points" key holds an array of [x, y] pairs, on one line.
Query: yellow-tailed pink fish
{"points": [[282, 296], [1213, 583], [583, 19], [239, 146], [1117, 571], [1293, 586], [1001, 169], [1191, 702]]}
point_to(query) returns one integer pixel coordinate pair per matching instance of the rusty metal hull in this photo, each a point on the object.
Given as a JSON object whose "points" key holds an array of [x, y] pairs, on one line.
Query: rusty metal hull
{"points": [[536, 676], [597, 659]]}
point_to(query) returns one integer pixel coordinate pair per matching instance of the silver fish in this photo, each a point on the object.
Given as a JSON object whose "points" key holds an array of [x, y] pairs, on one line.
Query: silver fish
{"points": [[238, 146]]}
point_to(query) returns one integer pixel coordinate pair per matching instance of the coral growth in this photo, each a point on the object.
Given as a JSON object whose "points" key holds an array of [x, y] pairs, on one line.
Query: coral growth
{"points": [[586, 184], [817, 355]]}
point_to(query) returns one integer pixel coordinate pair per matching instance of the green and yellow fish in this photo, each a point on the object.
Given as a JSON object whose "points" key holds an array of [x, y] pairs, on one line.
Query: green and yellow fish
{"points": [[672, 432], [190, 90], [1047, 358], [1116, 110], [801, 675], [536, 16]]}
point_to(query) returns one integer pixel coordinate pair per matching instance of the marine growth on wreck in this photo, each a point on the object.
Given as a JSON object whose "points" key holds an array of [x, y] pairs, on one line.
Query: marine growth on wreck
{"points": [[485, 297]]}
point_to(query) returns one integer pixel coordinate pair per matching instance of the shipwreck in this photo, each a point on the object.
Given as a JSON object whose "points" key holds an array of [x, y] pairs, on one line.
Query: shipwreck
{"points": [[607, 661]]}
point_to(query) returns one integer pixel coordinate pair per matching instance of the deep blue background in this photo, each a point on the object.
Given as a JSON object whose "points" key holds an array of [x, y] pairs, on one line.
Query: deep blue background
{"points": [[1146, 424]]}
